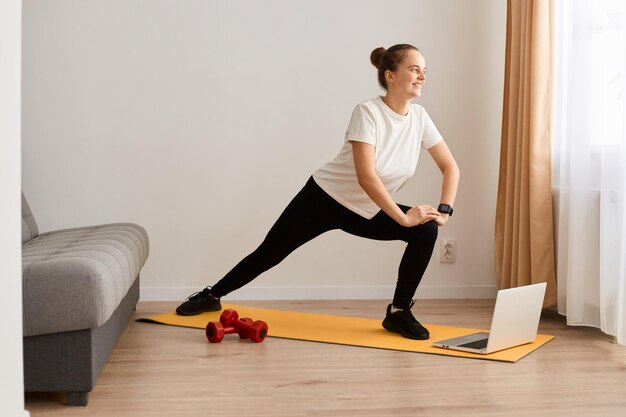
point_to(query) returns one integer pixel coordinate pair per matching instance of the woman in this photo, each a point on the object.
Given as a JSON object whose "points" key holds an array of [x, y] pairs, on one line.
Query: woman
{"points": [[353, 192]]}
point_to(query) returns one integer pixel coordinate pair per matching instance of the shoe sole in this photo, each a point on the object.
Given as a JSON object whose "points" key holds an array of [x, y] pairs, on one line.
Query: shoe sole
{"points": [[390, 327]]}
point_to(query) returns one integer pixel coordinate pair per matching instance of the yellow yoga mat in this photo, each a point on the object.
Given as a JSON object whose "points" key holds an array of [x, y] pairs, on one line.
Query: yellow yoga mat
{"points": [[347, 331]]}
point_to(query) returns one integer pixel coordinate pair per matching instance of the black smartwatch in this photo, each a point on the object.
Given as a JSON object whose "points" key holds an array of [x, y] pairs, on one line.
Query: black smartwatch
{"points": [[446, 209]]}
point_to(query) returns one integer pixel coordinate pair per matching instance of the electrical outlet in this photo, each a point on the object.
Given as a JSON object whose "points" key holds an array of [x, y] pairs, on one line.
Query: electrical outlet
{"points": [[447, 250]]}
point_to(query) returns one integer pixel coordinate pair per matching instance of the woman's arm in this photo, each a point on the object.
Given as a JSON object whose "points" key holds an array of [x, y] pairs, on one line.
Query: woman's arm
{"points": [[447, 165], [372, 185]]}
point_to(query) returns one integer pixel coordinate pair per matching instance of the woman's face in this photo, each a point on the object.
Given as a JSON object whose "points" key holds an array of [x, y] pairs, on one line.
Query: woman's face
{"points": [[408, 80]]}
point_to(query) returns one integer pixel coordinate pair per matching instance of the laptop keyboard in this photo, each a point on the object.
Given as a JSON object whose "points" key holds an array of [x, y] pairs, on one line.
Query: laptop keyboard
{"points": [[478, 344]]}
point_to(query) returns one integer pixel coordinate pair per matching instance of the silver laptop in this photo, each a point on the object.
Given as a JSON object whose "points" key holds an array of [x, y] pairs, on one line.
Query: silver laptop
{"points": [[515, 322]]}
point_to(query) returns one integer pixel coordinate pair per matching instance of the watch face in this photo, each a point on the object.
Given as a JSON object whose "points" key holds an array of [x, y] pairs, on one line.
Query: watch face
{"points": [[445, 208]]}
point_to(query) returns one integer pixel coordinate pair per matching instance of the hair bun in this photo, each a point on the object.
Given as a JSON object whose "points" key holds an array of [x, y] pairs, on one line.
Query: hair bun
{"points": [[376, 55]]}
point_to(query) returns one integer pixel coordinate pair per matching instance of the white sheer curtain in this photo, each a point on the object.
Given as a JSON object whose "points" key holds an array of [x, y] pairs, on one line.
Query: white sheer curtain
{"points": [[590, 162]]}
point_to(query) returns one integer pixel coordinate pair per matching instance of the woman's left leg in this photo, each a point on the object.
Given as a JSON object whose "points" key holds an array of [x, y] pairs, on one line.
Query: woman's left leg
{"points": [[420, 243]]}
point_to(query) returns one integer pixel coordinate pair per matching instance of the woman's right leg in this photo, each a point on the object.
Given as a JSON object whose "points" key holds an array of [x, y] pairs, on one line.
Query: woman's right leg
{"points": [[311, 213]]}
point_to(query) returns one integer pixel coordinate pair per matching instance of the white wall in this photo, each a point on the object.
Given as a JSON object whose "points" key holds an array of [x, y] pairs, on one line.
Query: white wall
{"points": [[11, 363], [201, 119]]}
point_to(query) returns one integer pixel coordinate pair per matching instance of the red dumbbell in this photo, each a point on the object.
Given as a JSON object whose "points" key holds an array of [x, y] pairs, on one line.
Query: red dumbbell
{"points": [[230, 323], [215, 330], [255, 331]]}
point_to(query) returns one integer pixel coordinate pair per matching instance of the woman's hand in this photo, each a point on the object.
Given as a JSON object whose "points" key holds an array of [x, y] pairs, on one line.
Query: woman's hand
{"points": [[442, 219], [422, 214]]}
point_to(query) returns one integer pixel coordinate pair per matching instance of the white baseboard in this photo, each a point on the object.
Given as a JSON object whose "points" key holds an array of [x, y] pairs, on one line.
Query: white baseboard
{"points": [[323, 293]]}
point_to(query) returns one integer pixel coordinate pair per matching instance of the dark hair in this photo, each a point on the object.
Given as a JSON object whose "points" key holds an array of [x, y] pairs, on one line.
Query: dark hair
{"points": [[388, 59]]}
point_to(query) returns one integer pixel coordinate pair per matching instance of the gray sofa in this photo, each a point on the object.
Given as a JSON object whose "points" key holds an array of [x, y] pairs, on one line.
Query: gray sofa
{"points": [[80, 287]]}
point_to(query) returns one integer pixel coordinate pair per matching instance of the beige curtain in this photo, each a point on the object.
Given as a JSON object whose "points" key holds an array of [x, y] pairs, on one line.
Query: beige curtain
{"points": [[524, 220]]}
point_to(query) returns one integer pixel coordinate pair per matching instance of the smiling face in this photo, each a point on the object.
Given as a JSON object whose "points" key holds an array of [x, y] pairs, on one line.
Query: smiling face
{"points": [[409, 78]]}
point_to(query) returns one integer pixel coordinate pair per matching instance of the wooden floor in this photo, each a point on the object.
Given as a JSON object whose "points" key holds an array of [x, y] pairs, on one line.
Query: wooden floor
{"points": [[158, 370]]}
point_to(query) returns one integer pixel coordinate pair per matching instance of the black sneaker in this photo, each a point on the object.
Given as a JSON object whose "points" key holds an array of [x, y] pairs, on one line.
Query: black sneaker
{"points": [[199, 302], [403, 322]]}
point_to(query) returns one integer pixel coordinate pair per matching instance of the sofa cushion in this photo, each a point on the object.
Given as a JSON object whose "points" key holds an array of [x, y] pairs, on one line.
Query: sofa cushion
{"points": [[29, 225], [74, 279]]}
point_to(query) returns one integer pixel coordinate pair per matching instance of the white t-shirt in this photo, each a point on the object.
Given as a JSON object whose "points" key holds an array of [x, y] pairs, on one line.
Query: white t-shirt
{"points": [[397, 141]]}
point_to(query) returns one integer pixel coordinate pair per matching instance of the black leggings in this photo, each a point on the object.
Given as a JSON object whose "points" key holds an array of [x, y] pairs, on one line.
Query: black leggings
{"points": [[313, 212]]}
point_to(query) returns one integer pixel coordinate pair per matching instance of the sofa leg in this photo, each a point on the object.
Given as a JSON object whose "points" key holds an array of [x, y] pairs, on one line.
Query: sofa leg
{"points": [[77, 398]]}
